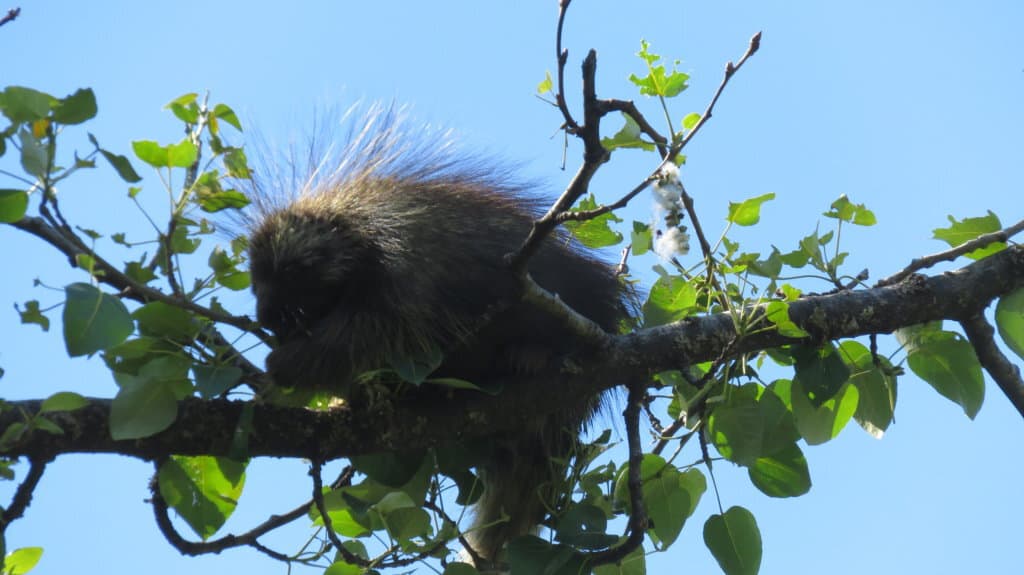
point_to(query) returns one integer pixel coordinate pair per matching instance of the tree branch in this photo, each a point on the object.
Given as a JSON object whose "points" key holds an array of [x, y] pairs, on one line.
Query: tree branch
{"points": [[1005, 373], [207, 427], [23, 496]]}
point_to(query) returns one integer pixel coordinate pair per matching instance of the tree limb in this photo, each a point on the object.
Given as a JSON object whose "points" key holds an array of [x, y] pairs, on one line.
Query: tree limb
{"points": [[207, 427]]}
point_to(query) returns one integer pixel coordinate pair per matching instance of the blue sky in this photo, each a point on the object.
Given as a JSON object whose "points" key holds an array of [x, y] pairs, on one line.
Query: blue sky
{"points": [[912, 108]]}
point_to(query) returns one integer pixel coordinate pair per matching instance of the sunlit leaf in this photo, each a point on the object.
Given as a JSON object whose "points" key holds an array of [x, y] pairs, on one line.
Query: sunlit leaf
{"points": [[204, 490], [748, 212], [961, 231]]}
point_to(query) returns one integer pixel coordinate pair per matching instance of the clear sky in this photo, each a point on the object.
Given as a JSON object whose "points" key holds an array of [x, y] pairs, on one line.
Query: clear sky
{"points": [[913, 108]]}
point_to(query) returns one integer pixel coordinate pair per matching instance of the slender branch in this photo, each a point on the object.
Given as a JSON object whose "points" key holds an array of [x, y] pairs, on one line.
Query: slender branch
{"points": [[594, 155], [705, 247], [638, 520], [318, 500], [250, 538], [730, 70], [127, 286], [1006, 374], [562, 57], [668, 156], [951, 254], [629, 108], [23, 495], [10, 16]]}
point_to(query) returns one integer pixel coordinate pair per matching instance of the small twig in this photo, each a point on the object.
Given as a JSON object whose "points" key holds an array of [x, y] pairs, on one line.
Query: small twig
{"points": [[318, 500], [23, 495], [705, 247], [10, 16], [629, 108], [563, 56], [951, 254], [1006, 374], [594, 155], [730, 70], [638, 520], [477, 559]]}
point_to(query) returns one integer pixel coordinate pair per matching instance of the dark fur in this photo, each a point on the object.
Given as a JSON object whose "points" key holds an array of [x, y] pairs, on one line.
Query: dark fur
{"points": [[399, 253]]}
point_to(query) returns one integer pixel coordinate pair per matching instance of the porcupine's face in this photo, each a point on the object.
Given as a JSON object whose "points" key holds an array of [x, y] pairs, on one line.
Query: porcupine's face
{"points": [[299, 267]]}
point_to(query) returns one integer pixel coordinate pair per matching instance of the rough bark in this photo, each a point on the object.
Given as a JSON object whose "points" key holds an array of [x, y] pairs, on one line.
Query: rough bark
{"points": [[209, 427]]}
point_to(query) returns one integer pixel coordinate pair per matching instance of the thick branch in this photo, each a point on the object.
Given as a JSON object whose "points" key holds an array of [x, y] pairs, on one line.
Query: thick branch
{"points": [[207, 427]]}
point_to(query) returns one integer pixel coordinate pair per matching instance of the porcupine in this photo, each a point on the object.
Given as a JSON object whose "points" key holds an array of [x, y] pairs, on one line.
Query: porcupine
{"points": [[397, 254]]}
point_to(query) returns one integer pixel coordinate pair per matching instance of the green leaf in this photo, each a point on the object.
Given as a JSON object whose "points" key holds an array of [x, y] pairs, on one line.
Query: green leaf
{"points": [[180, 155], [748, 212], [545, 85], [876, 388], [76, 108], [777, 312], [120, 163], [969, 228], [1010, 320], [43, 424], [845, 210], [184, 100], [225, 271], [640, 239], [782, 474], [237, 164], [212, 198], [531, 554], [25, 104], [820, 371], [597, 232], [584, 527], [224, 112], [668, 504], [13, 205], [632, 564], [159, 319], [63, 401], [735, 541], [22, 560], [629, 136], [213, 380], [34, 155], [402, 517], [690, 120], [658, 81], [391, 469], [751, 424], [204, 490], [142, 408], [342, 568], [671, 298], [949, 365], [820, 423], [93, 320], [32, 314]]}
